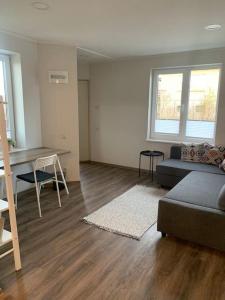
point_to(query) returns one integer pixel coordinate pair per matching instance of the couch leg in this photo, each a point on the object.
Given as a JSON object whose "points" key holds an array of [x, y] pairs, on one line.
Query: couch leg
{"points": [[163, 234]]}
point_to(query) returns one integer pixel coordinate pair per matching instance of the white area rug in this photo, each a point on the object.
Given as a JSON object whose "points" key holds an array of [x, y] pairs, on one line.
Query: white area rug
{"points": [[130, 214]]}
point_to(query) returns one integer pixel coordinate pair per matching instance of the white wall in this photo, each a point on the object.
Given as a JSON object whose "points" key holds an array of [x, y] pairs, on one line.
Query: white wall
{"points": [[119, 96], [55, 124], [59, 104], [83, 71], [83, 96], [28, 119], [27, 50]]}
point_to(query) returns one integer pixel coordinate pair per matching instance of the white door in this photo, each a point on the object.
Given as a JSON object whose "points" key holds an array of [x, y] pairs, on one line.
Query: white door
{"points": [[83, 101]]}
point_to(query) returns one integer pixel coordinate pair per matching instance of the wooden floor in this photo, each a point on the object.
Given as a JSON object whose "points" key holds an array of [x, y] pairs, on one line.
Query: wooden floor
{"points": [[64, 258]]}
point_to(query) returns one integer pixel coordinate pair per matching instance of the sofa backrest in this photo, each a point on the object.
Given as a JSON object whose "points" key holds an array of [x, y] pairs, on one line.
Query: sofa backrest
{"points": [[175, 152]]}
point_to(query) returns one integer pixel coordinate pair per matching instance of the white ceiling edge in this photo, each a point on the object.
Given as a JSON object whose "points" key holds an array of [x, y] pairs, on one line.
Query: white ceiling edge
{"points": [[171, 52], [51, 42], [94, 52], [159, 53], [102, 57], [18, 35], [88, 56]]}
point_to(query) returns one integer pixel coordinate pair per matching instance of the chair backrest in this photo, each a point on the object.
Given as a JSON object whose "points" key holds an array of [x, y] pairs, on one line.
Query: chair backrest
{"points": [[46, 161]]}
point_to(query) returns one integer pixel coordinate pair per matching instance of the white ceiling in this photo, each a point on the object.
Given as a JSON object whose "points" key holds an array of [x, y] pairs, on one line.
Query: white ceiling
{"points": [[119, 28]]}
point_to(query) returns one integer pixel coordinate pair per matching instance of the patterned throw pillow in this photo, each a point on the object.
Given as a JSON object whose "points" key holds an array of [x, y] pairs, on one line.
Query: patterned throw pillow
{"points": [[222, 165], [193, 152], [214, 155]]}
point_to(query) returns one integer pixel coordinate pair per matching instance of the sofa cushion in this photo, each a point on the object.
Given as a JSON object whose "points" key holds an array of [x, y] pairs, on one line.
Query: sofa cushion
{"points": [[213, 155], [192, 152], [222, 165], [175, 167], [200, 189]]}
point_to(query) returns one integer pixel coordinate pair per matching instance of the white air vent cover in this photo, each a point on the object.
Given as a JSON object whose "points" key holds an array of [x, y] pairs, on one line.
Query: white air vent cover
{"points": [[58, 77]]}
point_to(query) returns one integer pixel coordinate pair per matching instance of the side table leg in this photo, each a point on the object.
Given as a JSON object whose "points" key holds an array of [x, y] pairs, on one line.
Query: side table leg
{"points": [[152, 168], [150, 164], [140, 165]]}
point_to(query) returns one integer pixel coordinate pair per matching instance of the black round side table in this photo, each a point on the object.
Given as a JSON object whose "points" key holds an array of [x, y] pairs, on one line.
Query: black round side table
{"points": [[151, 155]]}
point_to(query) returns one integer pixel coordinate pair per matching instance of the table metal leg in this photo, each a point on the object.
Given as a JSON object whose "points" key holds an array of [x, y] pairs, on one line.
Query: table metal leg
{"points": [[152, 168], [140, 165], [152, 155], [150, 164]]}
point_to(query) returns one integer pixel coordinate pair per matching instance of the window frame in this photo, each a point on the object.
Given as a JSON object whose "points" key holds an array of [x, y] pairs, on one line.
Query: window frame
{"points": [[185, 95], [8, 92]]}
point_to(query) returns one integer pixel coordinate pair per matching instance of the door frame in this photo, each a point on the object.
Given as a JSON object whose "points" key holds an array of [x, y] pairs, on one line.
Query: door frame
{"points": [[89, 144]]}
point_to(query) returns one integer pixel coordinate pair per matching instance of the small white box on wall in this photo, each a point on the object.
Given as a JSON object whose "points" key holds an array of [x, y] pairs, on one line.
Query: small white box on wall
{"points": [[59, 77]]}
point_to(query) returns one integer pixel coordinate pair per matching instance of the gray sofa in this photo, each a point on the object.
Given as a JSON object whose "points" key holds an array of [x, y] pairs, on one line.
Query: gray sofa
{"points": [[193, 210], [171, 171]]}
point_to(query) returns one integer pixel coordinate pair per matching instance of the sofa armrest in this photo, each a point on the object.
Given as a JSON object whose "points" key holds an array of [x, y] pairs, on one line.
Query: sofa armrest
{"points": [[191, 222]]}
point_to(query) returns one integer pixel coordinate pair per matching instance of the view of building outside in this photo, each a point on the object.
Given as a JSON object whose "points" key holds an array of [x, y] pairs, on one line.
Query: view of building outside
{"points": [[202, 103], [169, 96], [168, 103], [201, 106]]}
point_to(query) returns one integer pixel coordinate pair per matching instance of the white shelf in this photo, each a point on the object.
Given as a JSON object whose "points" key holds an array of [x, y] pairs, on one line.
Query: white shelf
{"points": [[3, 205], [6, 237]]}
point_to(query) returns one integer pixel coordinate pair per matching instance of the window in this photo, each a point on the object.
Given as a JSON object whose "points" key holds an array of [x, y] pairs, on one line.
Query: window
{"points": [[184, 104], [6, 92]]}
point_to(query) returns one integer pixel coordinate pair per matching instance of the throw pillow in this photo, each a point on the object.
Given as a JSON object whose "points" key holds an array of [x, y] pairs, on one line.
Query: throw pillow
{"points": [[214, 155], [193, 152], [221, 198], [208, 146]]}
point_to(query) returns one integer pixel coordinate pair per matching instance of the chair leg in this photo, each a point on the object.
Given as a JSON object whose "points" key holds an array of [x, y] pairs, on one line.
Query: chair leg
{"points": [[57, 186], [38, 198], [63, 178]]}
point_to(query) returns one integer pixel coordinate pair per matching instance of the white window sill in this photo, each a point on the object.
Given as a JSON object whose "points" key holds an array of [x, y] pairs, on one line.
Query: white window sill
{"points": [[165, 141], [11, 151], [16, 150], [179, 142]]}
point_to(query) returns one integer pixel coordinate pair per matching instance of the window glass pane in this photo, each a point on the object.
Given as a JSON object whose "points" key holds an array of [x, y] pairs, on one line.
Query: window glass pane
{"points": [[3, 93], [168, 103], [202, 103], [2, 88]]}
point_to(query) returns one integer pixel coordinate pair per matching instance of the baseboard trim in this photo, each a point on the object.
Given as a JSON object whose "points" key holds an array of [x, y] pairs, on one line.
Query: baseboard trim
{"points": [[119, 166]]}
